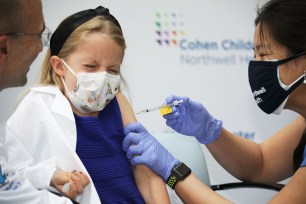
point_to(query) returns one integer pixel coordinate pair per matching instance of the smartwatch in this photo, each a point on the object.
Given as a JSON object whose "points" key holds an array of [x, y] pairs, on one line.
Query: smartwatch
{"points": [[178, 173]]}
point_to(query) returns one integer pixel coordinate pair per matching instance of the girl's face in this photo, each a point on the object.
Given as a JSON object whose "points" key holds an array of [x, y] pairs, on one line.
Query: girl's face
{"points": [[97, 53]]}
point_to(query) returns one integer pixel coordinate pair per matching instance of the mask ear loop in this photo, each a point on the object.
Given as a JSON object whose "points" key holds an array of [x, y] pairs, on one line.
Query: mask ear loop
{"points": [[70, 69], [304, 82]]}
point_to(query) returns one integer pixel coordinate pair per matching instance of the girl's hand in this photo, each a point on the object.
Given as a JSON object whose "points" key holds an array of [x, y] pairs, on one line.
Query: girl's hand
{"points": [[69, 184]]}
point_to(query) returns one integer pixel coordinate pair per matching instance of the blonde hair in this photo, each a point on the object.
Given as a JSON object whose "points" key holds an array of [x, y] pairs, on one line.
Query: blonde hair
{"points": [[96, 24]]}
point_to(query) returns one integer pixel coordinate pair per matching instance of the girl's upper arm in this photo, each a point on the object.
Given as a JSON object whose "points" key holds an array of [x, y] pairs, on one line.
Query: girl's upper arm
{"points": [[150, 185], [127, 112]]}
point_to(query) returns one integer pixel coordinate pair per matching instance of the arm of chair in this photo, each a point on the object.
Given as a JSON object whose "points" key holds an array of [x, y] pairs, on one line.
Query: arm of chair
{"points": [[274, 186]]}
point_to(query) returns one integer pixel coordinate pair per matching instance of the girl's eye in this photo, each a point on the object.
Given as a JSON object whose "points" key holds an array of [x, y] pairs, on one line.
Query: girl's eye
{"points": [[113, 72], [89, 66]]}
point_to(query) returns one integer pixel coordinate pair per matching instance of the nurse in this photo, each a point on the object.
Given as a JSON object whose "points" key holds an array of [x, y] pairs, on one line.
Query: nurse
{"points": [[76, 116], [277, 80]]}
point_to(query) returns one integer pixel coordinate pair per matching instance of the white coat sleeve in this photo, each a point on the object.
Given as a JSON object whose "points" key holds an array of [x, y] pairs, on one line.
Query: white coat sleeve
{"points": [[20, 161], [21, 191]]}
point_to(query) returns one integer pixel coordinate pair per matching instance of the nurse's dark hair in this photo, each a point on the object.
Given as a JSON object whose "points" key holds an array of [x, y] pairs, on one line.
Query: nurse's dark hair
{"points": [[11, 13], [284, 22]]}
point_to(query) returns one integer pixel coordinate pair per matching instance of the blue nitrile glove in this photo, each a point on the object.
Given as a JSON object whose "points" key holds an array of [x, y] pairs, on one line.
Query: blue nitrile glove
{"points": [[304, 160], [143, 148], [192, 119]]}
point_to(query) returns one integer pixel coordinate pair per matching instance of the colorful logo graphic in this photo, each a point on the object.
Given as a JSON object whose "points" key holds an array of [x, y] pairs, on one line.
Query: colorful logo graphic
{"points": [[216, 50], [169, 28]]}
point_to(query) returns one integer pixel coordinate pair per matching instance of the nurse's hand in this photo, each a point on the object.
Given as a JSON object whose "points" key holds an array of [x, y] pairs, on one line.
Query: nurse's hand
{"points": [[191, 118], [69, 184], [142, 148]]}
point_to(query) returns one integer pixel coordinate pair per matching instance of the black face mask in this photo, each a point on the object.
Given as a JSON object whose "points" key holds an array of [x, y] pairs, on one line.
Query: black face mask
{"points": [[266, 89]]}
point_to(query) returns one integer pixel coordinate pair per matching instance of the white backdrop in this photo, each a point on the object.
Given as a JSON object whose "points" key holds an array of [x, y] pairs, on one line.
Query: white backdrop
{"points": [[195, 48]]}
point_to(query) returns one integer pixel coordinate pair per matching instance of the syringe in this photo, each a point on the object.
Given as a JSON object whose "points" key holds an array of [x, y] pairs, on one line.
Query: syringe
{"points": [[174, 103]]}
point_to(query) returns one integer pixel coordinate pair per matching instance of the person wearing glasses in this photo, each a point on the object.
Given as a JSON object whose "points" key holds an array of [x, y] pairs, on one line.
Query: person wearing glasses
{"points": [[44, 35], [277, 78], [77, 113], [17, 37], [22, 36]]}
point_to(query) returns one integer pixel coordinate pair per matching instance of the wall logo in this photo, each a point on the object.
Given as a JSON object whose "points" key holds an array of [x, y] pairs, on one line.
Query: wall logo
{"points": [[227, 51], [169, 28]]}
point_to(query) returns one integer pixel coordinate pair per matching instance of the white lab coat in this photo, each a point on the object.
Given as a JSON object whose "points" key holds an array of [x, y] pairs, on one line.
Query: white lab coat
{"points": [[41, 136], [20, 191]]}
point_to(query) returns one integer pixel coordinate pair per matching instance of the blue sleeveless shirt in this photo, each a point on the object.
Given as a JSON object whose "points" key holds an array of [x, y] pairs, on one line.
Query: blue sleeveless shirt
{"points": [[99, 146]]}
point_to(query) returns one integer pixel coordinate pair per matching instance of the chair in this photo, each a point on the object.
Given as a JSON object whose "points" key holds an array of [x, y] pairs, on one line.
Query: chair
{"points": [[189, 150]]}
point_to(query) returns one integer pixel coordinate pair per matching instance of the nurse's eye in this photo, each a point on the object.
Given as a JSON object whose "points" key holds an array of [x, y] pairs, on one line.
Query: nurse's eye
{"points": [[263, 56]]}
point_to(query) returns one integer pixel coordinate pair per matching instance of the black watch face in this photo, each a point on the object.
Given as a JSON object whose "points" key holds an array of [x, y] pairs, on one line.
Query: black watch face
{"points": [[182, 170]]}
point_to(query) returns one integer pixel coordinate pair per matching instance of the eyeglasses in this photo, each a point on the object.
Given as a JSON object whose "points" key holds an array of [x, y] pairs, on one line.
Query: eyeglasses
{"points": [[45, 35]]}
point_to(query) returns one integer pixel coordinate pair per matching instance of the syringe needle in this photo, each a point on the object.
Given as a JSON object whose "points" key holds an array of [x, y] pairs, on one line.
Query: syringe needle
{"points": [[174, 103]]}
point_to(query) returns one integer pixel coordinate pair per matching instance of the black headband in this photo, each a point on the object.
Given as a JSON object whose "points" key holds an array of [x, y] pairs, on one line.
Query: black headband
{"points": [[64, 30]]}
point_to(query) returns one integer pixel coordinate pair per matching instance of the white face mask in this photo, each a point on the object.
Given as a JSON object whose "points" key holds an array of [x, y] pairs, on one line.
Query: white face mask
{"points": [[93, 90]]}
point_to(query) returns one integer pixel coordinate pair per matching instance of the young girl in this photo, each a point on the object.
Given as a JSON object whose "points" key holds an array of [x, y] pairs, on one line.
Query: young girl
{"points": [[77, 115]]}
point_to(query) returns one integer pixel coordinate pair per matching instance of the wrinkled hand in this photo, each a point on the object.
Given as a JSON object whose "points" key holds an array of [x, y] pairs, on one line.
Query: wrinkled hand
{"points": [[143, 148], [77, 180], [192, 119]]}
